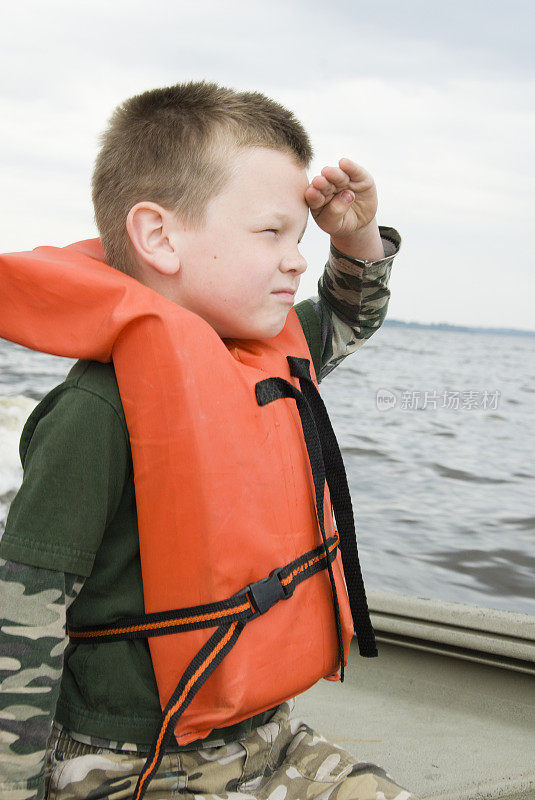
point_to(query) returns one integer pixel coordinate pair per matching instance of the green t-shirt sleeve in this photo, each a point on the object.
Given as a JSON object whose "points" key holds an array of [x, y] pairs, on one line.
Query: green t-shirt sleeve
{"points": [[75, 455]]}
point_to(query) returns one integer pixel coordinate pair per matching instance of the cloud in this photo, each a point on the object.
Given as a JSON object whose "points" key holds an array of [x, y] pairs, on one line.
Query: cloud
{"points": [[433, 99]]}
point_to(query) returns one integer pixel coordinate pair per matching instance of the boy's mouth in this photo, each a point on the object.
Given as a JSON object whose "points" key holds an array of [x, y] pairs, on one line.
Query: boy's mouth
{"points": [[286, 294]]}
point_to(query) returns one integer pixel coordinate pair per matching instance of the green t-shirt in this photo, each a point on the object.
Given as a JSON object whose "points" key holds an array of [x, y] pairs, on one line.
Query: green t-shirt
{"points": [[75, 512]]}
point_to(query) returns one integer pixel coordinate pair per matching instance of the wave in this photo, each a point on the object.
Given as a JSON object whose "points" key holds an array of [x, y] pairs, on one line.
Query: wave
{"points": [[462, 475], [364, 451]]}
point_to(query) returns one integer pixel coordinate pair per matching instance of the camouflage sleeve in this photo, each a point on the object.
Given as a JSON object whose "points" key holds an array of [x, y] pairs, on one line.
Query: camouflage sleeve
{"points": [[33, 603], [353, 300]]}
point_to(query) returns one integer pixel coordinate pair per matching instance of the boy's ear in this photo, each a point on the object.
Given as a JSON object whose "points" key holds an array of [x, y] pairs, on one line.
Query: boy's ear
{"points": [[153, 233]]}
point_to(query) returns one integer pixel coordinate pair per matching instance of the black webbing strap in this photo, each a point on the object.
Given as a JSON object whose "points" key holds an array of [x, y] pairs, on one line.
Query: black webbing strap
{"points": [[272, 389], [343, 511]]}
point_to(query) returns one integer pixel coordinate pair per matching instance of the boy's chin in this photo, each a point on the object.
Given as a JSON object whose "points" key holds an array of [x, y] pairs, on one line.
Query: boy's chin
{"points": [[258, 332], [268, 331]]}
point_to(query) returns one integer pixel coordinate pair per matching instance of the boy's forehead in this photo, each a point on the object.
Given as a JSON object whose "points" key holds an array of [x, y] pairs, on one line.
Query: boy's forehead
{"points": [[261, 184], [270, 179], [272, 166]]}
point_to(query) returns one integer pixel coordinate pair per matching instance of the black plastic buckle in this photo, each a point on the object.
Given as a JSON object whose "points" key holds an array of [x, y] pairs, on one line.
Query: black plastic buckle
{"points": [[265, 593]]}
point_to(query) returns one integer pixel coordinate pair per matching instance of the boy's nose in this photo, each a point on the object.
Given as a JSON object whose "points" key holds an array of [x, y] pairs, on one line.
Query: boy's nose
{"points": [[294, 262]]}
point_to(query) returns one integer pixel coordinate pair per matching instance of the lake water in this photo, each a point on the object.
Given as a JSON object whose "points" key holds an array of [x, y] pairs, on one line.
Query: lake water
{"points": [[437, 433]]}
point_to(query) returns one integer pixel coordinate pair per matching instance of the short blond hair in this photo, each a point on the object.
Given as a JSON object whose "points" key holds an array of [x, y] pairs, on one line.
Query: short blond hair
{"points": [[172, 146]]}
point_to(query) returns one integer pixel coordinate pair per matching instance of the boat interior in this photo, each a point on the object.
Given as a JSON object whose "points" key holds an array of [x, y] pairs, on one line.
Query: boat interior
{"points": [[447, 708]]}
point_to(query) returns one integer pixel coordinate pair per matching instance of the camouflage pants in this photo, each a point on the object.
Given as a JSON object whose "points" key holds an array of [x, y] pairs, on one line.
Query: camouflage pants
{"points": [[281, 760]]}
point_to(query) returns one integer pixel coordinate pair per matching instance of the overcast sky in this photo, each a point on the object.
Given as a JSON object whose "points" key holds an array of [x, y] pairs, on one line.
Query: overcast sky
{"points": [[436, 99]]}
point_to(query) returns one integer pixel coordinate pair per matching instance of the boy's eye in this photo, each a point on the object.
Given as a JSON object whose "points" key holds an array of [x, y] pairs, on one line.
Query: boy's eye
{"points": [[270, 230]]}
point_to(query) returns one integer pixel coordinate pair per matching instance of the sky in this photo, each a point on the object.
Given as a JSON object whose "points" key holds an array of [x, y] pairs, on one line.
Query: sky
{"points": [[436, 100]]}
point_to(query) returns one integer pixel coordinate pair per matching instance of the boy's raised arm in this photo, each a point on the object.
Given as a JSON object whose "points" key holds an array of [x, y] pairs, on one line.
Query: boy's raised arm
{"points": [[353, 291]]}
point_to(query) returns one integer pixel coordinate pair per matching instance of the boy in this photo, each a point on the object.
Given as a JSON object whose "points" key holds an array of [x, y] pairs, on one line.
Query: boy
{"points": [[200, 194]]}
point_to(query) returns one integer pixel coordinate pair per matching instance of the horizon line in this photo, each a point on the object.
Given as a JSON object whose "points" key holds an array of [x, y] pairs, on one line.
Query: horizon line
{"points": [[450, 325]]}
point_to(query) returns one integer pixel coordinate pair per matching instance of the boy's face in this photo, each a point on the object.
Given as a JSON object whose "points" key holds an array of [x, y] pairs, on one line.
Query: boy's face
{"points": [[241, 270]]}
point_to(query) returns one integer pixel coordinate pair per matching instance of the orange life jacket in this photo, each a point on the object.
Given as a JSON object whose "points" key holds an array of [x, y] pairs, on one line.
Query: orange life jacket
{"points": [[234, 514]]}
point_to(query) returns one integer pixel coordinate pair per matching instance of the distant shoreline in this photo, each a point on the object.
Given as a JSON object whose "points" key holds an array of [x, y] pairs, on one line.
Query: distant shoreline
{"points": [[444, 326]]}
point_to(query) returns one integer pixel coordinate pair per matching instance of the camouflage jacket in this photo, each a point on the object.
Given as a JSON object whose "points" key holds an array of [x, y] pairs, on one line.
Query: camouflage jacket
{"points": [[351, 305]]}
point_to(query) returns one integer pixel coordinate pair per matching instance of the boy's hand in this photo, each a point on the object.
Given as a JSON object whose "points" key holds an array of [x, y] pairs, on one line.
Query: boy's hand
{"points": [[343, 201]]}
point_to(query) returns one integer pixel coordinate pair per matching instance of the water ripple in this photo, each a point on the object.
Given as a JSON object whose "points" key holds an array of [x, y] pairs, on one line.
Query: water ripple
{"points": [[461, 475]]}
